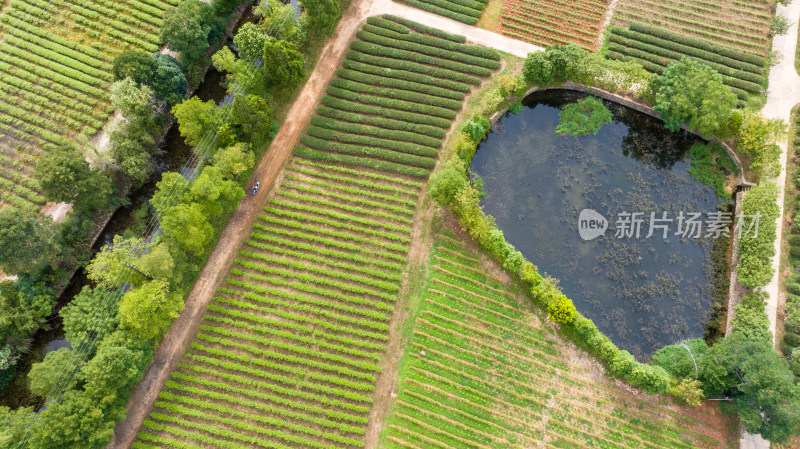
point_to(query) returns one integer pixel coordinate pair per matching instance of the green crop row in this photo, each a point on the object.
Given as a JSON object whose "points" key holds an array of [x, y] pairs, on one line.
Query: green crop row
{"points": [[698, 43], [255, 318], [397, 94], [325, 138], [345, 220], [74, 117], [85, 72], [446, 9], [281, 358], [384, 29], [301, 318], [407, 75], [327, 123], [294, 349], [723, 64], [83, 53], [407, 116], [389, 180], [381, 153], [286, 403], [397, 192], [376, 80], [381, 51], [247, 427], [349, 350], [383, 285], [424, 49], [416, 26], [663, 62], [400, 105], [188, 434], [409, 203], [333, 190], [338, 204], [315, 279], [288, 335], [386, 123], [394, 26], [324, 231], [412, 66], [319, 249]]}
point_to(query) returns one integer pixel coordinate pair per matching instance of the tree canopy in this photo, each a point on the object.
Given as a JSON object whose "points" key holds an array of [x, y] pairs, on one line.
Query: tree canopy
{"points": [[64, 175], [322, 15], [195, 118], [187, 27], [283, 63], [692, 93], [148, 311], [28, 241]]}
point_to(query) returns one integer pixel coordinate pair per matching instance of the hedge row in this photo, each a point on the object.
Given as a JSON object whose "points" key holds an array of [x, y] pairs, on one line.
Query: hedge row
{"points": [[413, 66], [382, 122], [379, 153], [362, 161], [425, 49], [406, 75], [474, 50], [698, 43], [395, 135], [753, 71], [411, 117], [397, 94], [657, 64], [420, 28], [444, 8], [388, 24], [390, 103], [375, 80], [379, 50], [358, 140]]}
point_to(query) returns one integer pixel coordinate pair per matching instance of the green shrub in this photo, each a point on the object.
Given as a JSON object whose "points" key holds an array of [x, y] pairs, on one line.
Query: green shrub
{"points": [[388, 24], [586, 116], [426, 29], [561, 310]]}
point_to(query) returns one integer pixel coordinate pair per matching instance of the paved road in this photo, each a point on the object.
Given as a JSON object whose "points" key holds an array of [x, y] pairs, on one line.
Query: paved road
{"points": [[783, 94], [473, 34]]}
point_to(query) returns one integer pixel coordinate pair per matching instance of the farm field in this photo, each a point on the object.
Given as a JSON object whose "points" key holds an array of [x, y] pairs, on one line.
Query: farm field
{"points": [[739, 24], [467, 11], [655, 48], [554, 22], [480, 370], [56, 73], [288, 352]]}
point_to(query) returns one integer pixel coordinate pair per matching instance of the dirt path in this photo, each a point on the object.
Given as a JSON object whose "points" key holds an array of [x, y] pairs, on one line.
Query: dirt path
{"points": [[175, 343]]}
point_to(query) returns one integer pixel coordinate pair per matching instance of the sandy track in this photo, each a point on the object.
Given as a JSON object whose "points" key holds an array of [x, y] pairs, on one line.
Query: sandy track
{"points": [[176, 342]]}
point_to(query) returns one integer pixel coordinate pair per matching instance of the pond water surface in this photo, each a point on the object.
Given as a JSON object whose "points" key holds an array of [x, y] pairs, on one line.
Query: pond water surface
{"points": [[642, 292]]}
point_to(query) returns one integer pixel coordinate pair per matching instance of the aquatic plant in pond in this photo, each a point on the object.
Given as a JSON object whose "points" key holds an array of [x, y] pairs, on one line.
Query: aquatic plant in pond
{"points": [[643, 292], [586, 116]]}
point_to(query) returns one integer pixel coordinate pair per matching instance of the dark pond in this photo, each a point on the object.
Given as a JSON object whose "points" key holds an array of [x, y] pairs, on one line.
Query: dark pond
{"points": [[641, 292]]}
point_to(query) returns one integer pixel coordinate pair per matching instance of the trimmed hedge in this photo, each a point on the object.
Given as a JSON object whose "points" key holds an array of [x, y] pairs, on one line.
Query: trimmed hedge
{"points": [[420, 28], [411, 117], [411, 65], [698, 43], [474, 50], [363, 162], [360, 150], [654, 63], [374, 80], [756, 72], [388, 24], [366, 130], [443, 8], [403, 147], [380, 50], [397, 93], [390, 103], [382, 122], [379, 36], [405, 75]]}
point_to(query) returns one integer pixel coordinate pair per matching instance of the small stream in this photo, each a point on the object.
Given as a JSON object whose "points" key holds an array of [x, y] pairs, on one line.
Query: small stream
{"points": [[173, 155]]}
